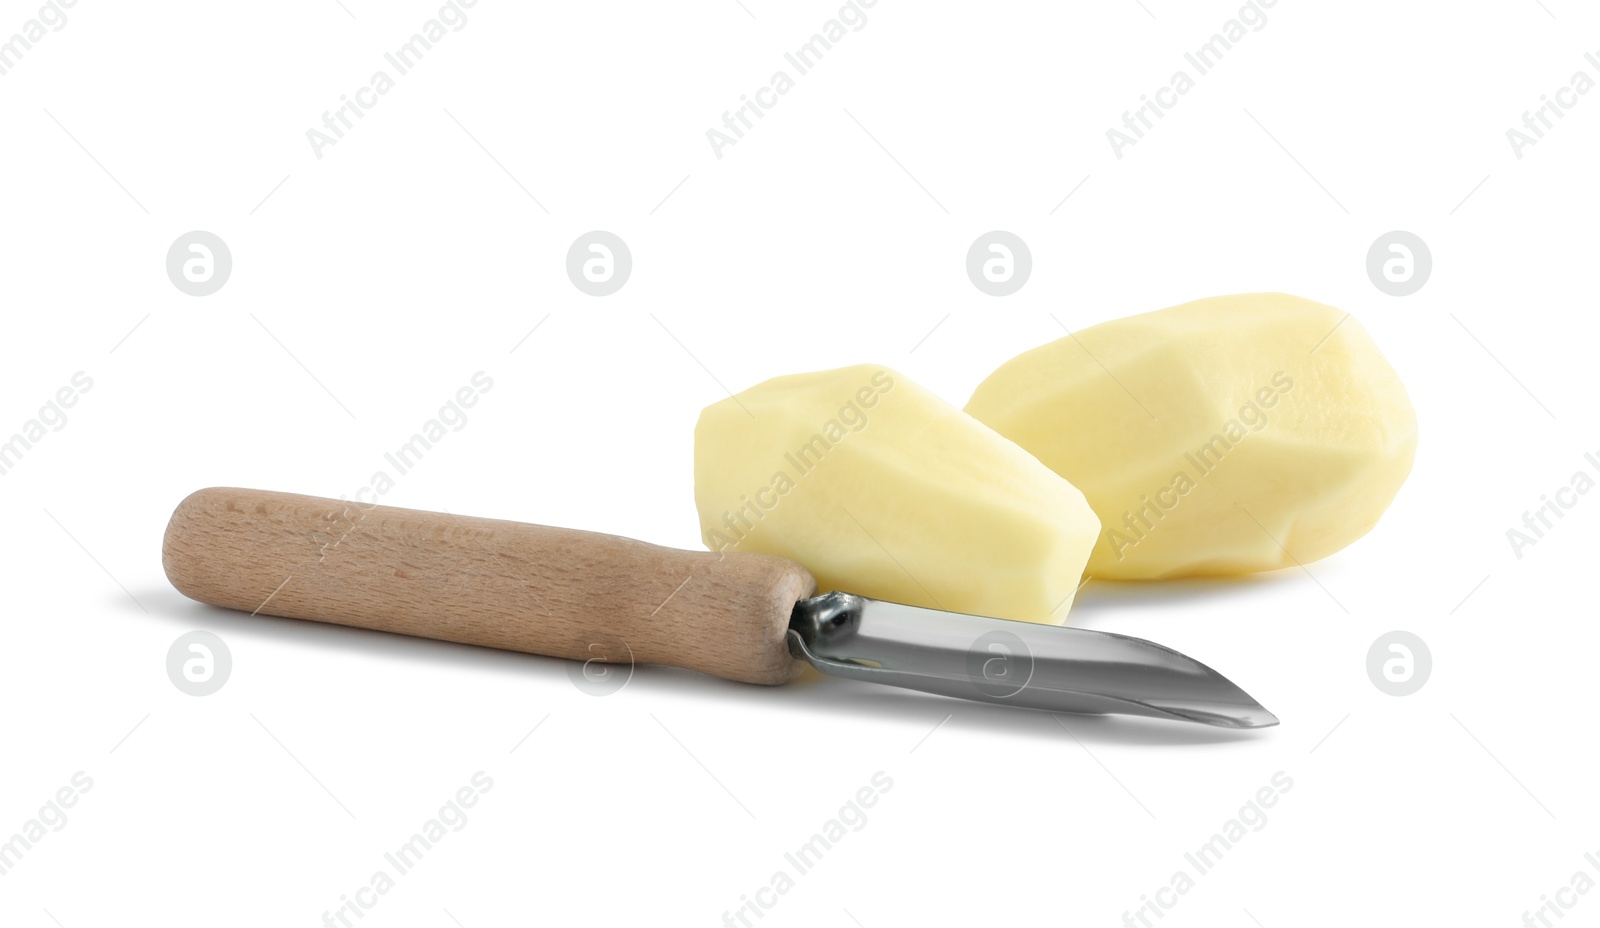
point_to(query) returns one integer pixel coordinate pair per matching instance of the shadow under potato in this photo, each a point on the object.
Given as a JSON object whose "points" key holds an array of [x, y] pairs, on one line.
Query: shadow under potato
{"points": [[1101, 598]]}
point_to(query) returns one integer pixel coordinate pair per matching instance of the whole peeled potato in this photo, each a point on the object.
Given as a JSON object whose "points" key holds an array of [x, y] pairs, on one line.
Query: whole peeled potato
{"points": [[1224, 436]]}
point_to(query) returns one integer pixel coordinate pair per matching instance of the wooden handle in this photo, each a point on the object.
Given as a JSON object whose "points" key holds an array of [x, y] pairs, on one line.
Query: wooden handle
{"points": [[555, 591]]}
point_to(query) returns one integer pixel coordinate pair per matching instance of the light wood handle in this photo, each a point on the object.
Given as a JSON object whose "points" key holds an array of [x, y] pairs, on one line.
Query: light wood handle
{"points": [[554, 591]]}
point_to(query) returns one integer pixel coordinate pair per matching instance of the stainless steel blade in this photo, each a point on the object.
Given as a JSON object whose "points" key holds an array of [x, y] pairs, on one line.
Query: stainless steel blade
{"points": [[1009, 663]]}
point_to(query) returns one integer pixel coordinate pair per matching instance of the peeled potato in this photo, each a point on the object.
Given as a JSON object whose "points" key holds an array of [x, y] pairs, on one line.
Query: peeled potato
{"points": [[881, 488], [1224, 436]]}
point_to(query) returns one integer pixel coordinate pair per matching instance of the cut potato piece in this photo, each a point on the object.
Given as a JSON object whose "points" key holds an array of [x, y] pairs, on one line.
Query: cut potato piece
{"points": [[881, 488], [1223, 436]]}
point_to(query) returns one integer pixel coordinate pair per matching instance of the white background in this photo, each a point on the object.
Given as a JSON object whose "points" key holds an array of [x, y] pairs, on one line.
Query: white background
{"points": [[371, 284]]}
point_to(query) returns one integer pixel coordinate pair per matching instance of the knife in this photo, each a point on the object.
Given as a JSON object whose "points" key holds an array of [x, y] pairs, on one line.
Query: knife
{"points": [[588, 596]]}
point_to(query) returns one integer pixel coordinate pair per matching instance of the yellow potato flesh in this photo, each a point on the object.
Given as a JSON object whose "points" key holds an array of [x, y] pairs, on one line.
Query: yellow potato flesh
{"points": [[880, 488], [1224, 436]]}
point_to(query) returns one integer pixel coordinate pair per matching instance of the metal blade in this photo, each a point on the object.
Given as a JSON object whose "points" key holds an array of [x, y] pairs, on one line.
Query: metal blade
{"points": [[1009, 663]]}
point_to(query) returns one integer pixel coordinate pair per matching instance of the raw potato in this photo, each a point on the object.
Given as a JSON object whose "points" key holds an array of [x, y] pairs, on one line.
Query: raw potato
{"points": [[881, 488], [1228, 435]]}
